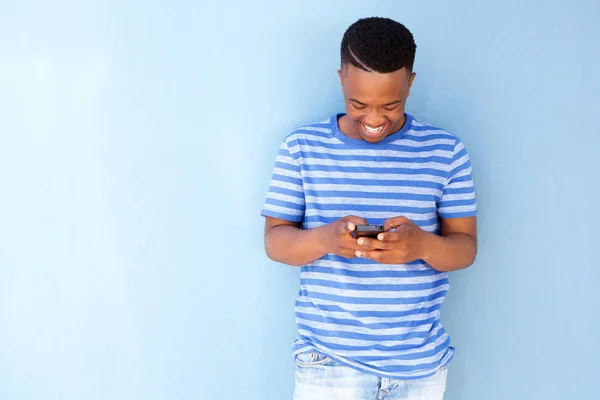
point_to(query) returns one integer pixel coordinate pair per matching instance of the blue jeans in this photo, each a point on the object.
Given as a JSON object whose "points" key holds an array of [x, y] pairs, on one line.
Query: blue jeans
{"points": [[320, 378]]}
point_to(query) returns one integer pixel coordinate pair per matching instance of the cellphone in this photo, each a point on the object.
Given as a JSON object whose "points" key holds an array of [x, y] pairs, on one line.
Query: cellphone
{"points": [[367, 231]]}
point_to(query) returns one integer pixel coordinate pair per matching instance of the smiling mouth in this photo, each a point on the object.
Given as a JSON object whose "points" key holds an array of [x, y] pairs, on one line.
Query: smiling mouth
{"points": [[373, 131]]}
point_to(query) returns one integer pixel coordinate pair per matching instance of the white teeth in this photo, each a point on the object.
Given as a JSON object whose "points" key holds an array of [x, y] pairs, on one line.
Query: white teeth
{"points": [[373, 130]]}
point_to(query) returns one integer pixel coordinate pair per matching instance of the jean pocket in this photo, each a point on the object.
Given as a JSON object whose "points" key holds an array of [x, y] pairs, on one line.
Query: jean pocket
{"points": [[311, 359]]}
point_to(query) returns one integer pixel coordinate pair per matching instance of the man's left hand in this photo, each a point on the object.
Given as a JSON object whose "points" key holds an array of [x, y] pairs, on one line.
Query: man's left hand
{"points": [[406, 243]]}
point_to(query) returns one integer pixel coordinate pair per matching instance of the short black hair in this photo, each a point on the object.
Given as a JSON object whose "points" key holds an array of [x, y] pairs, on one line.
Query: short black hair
{"points": [[378, 45]]}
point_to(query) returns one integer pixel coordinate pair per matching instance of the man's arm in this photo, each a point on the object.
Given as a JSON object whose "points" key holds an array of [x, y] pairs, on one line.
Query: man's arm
{"points": [[454, 249], [288, 243]]}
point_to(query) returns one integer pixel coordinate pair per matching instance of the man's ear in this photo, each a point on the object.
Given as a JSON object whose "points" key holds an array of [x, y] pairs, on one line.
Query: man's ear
{"points": [[411, 79]]}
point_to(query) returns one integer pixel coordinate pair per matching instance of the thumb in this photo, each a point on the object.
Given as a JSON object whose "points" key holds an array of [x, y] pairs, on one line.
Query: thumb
{"points": [[356, 220], [347, 227], [395, 222]]}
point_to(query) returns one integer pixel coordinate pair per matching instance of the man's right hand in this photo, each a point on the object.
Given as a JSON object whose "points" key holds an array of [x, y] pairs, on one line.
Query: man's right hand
{"points": [[337, 239]]}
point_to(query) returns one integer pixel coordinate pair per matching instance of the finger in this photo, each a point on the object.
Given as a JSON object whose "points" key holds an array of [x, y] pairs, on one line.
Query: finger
{"points": [[375, 244], [395, 222], [375, 255], [347, 227], [348, 253], [356, 220], [401, 233], [352, 245]]}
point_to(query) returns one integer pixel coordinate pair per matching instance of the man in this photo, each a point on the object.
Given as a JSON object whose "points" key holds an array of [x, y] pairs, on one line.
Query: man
{"points": [[368, 309]]}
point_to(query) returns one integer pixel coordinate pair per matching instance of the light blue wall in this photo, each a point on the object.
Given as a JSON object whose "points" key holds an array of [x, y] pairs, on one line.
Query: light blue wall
{"points": [[136, 143]]}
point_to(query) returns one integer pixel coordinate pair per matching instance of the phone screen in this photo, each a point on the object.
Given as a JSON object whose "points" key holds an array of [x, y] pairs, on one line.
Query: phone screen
{"points": [[367, 231]]}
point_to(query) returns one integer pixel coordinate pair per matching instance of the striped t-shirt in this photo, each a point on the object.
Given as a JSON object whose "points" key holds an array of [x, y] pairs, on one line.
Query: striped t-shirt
{"points": [[377, 318]]}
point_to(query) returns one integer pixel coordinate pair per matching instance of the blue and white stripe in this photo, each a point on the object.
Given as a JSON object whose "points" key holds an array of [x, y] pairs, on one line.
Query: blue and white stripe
{"points": [[380, 319]]}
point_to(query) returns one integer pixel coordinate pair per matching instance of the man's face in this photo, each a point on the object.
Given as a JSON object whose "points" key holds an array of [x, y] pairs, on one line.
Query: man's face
{"points": [[374, 102]]}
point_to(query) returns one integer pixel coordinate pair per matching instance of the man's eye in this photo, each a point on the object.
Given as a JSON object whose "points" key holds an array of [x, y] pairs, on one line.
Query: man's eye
{"points": [[391, 108], [357, 107]]}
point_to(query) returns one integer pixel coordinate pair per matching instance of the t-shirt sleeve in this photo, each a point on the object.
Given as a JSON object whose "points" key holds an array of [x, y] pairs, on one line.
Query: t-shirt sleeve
{"points": [[458, 198], [285, 199]]}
